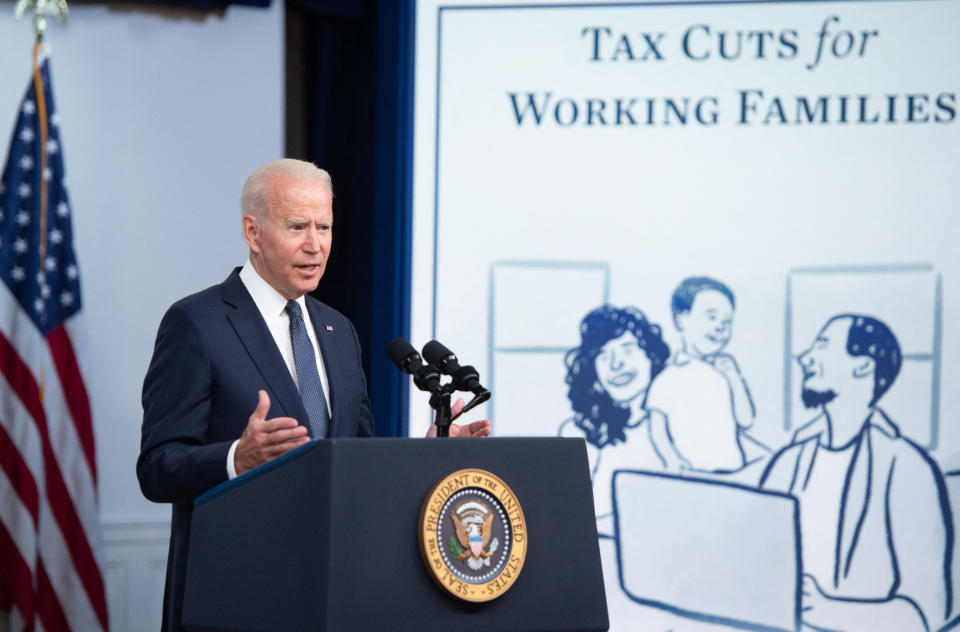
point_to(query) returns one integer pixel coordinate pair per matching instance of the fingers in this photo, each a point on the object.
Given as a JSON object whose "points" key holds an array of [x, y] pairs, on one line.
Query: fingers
{"points": [[457, 408], [273, 437], [284, 433], [475, 429], [274, 450], [251, 452], [279, 423], [263, 406], [259, 416], [807, 593], [265, 439], [810, 590], [480, 428]]}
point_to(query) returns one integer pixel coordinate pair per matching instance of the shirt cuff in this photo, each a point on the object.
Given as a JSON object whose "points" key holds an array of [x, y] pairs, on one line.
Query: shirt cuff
{"points": [[231, 468]]}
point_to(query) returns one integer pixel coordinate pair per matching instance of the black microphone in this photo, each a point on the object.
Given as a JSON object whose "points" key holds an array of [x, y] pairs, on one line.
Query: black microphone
{"points": [[406, 358], [465, 378]]}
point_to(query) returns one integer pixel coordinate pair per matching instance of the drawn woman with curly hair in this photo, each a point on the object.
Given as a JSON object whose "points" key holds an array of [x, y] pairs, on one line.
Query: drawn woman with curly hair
{"points": [[620, 353]]}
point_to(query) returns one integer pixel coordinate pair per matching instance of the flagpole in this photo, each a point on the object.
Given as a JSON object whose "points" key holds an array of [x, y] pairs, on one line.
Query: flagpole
{"points": [[42, 118], [42, 9]]}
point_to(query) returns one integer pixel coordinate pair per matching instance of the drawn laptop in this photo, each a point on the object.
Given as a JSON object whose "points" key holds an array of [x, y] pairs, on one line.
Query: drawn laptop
{"points": [[708, 550]]}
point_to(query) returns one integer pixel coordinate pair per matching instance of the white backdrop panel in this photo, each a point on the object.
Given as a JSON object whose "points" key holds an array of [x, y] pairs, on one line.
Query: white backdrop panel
{"points": [[813, 173]]}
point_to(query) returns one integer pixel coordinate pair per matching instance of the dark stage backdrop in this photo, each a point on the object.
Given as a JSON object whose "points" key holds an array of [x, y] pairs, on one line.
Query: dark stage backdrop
{"points": [[349, 110]]}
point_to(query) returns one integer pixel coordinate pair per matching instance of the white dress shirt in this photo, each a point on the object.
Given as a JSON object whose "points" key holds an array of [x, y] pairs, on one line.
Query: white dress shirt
{"points": [[272, 307]]}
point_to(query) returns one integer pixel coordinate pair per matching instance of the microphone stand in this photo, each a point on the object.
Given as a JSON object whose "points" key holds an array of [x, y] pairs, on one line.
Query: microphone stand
{"points": [[440, 402]]}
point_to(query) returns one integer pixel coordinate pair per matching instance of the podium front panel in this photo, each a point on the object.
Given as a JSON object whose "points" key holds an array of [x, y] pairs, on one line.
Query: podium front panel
{"points": [[355, 547]]}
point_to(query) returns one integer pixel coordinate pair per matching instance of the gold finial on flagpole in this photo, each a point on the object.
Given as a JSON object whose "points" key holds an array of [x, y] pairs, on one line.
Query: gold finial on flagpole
{"points": [[41, 10]]}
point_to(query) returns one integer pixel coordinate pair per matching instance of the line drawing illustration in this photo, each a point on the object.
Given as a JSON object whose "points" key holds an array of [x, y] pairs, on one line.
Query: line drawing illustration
{"points": [[716, 551], [872, 530], [876, 526], [813, 293], [845, 525], [619, 355], [534, 309], [702, 392]]}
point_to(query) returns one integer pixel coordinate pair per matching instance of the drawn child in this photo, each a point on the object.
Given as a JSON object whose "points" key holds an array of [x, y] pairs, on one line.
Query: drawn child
{"points": [[701, 391]]}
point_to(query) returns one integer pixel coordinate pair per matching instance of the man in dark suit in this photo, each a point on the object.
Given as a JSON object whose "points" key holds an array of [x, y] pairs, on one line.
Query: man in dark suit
{"points": [[250, 369]]}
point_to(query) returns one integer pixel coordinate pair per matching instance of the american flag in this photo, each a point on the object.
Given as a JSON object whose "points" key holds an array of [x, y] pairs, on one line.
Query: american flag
{"points": [[50, 570]]}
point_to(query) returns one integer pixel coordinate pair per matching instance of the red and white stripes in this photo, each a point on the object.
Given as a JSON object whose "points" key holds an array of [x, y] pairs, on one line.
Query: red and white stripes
{"points": [[50, 570]]}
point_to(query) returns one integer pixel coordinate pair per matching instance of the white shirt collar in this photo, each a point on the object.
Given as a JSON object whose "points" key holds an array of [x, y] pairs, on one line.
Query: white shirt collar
{"points": [[268, 300]]}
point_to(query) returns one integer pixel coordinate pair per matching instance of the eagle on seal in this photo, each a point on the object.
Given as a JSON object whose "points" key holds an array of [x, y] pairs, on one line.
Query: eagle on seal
{"points": [[473, 523]]}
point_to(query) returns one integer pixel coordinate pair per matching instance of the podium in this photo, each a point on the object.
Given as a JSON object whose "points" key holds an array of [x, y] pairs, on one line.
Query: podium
{"points": [[326, 538]]}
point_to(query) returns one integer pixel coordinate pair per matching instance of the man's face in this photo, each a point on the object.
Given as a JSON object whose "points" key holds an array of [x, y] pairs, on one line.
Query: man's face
{"points": [[290, 243], [827, 367], [623, 368], [708, 325]]}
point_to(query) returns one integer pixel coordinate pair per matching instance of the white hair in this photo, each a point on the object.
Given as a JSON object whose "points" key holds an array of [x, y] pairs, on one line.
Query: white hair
{"points": [[254, 196]]}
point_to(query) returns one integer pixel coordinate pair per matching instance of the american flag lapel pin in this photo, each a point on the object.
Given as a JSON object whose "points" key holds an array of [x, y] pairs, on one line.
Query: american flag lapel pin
{"points": [[329, 327]]}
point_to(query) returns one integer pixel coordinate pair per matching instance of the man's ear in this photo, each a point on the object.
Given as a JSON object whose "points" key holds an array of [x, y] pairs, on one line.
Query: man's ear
{"points": [[251, 232], [864, 367]]}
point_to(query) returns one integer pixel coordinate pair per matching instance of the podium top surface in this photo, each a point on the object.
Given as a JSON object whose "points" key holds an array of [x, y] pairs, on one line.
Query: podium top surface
{"points": [[467, 447]]}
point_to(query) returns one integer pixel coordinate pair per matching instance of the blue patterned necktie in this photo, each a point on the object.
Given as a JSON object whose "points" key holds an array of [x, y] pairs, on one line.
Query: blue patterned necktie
{"points": [[311, 389]]}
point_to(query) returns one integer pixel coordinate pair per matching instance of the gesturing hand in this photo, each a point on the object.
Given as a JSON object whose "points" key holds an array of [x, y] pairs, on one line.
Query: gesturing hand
{"points": [[817, 608], [265, 439], [725, 363], [475, 429]]}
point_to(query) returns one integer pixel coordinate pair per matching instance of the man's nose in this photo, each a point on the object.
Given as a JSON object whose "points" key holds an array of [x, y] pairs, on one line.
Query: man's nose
{"points": [[804, 359], [615, 361], [311, 242]]}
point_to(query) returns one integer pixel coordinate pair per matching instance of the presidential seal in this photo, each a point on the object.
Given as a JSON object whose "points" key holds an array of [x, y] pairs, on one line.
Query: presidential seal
{"points": [[472, 535]]}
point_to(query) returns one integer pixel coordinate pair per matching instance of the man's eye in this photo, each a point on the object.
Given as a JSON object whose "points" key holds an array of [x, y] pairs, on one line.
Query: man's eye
{"points": [[296, 226]]}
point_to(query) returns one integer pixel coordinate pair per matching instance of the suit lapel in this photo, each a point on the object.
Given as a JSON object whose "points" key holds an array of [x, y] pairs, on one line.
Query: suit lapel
{"points": [[331, 362], [258, 341]]}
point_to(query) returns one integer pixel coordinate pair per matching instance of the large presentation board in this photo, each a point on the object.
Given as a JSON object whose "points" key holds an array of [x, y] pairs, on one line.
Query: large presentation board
{"points": [[575, 163]]}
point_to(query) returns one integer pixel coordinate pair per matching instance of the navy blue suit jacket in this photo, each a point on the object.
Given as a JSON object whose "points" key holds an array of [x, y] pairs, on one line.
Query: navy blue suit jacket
{"points": [[213, 353]]}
